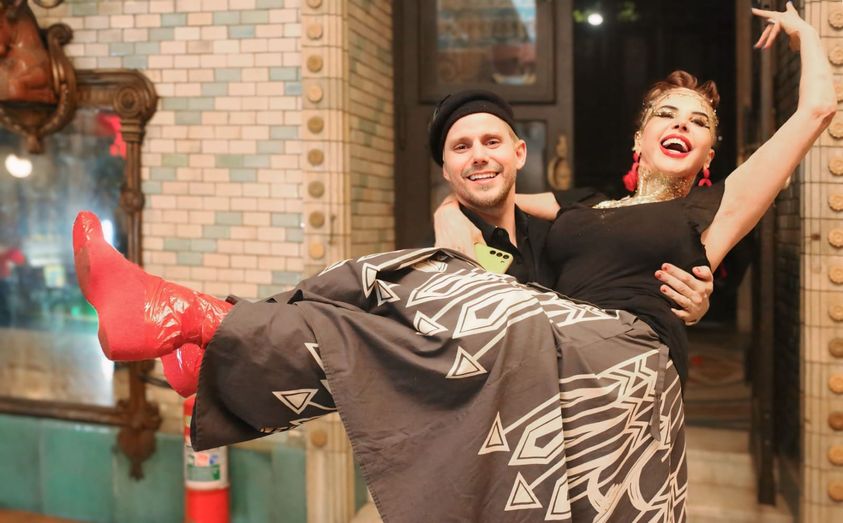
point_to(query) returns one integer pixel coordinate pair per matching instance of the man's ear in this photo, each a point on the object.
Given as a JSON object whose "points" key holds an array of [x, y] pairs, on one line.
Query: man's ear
{"points": [[445, 174], [520, 154]]}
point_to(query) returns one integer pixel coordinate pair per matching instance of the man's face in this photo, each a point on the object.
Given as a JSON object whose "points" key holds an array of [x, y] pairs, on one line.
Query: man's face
{"points": [[481, 159]]}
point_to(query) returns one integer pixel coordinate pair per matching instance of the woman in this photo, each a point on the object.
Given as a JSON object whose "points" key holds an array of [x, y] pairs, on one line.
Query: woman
{"points": [[603, 254], [465, 395]]}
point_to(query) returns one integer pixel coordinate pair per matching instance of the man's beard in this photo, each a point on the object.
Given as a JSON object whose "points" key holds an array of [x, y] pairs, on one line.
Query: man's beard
{"points": [[487, 200], [492, 198]]}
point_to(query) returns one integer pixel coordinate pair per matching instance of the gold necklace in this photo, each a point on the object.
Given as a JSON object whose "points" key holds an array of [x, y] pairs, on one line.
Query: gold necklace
{"points": [[653, 186]]}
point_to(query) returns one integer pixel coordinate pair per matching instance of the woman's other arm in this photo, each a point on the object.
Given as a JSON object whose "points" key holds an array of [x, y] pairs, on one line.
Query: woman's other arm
{"points": [[453, 230], [752, 187], [541, 205]]}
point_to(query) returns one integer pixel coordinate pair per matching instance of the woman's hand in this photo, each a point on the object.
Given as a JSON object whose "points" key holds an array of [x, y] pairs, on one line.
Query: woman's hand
{"points": [[453, 230], [689, 291], [788, 20]]}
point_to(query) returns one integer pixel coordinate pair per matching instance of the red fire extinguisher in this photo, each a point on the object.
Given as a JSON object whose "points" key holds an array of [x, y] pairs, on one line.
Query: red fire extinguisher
{"points": [[205, 479]]}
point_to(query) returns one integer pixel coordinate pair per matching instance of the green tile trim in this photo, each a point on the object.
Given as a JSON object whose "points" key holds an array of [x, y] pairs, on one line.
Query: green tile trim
{"points": [[228, 218], [241, 31], [70, 452], [215, 89], [159, 496], [174, 160], [286, 219], [243, 175], [252, 489], [294, 235], [135, 62], [203, 245], [176, 244], [283, 74], [20, 486], [289, 469], [226, 17], [190, 259], [227, 74], [285, 278], [160, 34], [174, 20]]}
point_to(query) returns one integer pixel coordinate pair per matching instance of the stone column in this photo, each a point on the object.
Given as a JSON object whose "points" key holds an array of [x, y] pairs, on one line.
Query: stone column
{"points": [[347, 158], [822, 296]]}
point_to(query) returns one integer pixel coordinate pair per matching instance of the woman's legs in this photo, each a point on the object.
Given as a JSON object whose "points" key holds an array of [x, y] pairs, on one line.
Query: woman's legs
{"points": [[141, 316]]}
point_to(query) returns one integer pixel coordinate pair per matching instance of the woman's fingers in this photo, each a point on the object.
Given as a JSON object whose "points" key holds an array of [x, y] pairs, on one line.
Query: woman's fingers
{"points": [[679, 299], [771, 38], [682, 315], [762, 39], [764, 13], [675, 283]]}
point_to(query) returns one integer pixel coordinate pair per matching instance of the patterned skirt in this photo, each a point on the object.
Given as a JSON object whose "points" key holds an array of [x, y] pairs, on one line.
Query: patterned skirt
{"points": [[466, 396]]}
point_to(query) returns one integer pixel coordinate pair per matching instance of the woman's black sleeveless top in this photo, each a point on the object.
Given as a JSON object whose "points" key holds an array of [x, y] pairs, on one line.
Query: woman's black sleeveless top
{"points": [[609, 257]]}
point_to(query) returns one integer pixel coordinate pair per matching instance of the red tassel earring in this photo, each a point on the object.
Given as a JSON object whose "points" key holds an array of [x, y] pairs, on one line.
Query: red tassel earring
{"points": [[705, 181], [630, 179]]}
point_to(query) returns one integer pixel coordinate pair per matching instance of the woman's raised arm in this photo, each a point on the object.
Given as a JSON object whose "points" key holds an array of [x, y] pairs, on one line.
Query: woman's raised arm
{"points": [[752, 187]]}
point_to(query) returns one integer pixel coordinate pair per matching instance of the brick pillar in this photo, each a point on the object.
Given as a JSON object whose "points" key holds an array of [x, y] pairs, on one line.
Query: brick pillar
{"points": [[821, 191], [347, 158]]}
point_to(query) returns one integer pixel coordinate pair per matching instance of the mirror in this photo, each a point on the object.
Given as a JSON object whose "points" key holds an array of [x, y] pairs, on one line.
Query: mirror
{"points": [[49, 332], [50, 361]]}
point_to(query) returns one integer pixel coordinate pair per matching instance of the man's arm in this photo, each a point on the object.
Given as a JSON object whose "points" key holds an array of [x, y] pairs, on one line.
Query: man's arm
{"points": [[691, 292]]}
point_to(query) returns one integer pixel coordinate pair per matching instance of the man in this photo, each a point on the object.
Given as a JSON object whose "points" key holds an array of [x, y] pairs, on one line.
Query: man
{"points": [[471, 137]]}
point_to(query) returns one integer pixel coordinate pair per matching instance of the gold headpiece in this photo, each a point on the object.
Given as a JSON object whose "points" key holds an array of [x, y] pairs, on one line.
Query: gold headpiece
{"points": [[650, 107]]}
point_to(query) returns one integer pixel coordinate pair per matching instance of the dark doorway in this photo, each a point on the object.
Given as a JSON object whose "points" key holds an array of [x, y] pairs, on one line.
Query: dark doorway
{"points": [[520, 49]]}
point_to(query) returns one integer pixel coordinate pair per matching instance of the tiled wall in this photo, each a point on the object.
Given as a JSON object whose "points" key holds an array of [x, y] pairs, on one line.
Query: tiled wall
{"points": [[221, 155], [73, 471], [371, 146], [822, 297]]}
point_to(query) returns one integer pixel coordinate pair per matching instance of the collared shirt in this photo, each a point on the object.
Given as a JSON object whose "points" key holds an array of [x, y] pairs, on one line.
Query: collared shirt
{"points": [[530, 263]]}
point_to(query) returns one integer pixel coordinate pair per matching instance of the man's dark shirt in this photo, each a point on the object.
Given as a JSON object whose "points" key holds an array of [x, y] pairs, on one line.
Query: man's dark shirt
{"points": [[530, 264]]}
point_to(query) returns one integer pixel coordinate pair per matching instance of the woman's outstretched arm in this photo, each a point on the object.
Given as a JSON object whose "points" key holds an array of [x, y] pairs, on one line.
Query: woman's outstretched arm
{"points": [[752, 187]]}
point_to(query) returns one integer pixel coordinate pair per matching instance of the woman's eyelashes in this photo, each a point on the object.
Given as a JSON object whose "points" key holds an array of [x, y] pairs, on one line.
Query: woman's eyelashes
{"points": [[697, 120]]}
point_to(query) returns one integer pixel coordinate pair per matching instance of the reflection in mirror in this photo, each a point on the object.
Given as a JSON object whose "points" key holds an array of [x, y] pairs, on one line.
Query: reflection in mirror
{"points": [[491, 42], [48, 332]]}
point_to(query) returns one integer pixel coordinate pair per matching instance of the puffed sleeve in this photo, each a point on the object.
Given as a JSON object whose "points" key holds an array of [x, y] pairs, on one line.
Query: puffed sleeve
{"points": [[701, 205]]}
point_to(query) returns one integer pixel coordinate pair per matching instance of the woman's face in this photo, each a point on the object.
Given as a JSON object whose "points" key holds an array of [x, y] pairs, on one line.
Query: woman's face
{"points": [[678, 135]]}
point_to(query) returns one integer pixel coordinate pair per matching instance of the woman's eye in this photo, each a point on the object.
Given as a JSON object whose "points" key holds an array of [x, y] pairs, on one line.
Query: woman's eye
{"points": [[664, 114], [701, 122]]}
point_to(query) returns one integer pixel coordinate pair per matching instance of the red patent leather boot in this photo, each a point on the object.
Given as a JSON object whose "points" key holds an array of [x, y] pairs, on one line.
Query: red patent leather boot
{"points": [[141, 316], [181, 368]]}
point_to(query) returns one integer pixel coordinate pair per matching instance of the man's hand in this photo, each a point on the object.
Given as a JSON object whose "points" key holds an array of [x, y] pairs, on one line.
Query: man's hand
{"points": [[690, 292], [453, 230]]}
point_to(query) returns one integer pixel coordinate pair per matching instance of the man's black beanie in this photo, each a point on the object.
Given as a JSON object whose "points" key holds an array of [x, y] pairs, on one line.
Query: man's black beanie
{"points": [[459, 104]]}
